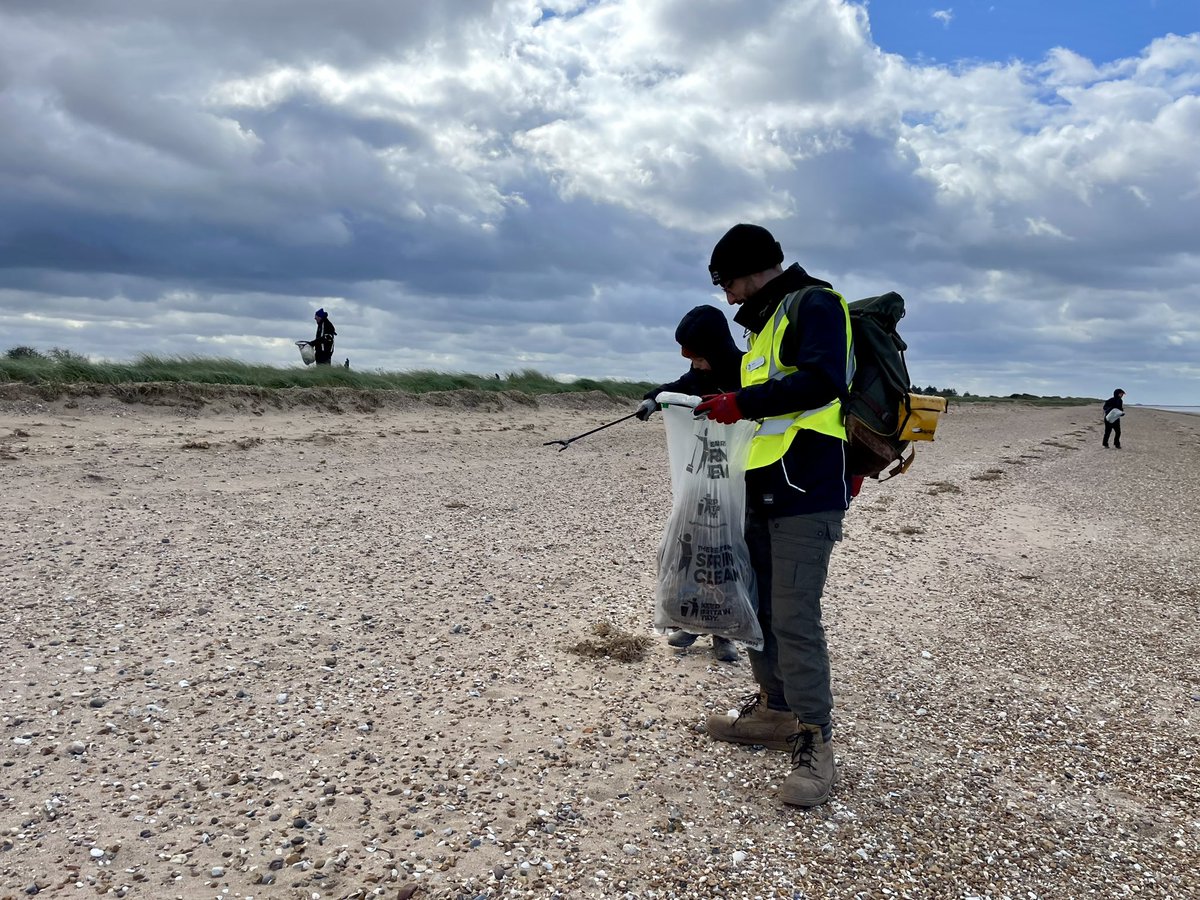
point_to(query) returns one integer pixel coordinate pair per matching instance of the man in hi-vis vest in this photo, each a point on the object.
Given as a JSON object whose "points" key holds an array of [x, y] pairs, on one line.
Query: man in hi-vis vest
{"points": [[799, 363]]}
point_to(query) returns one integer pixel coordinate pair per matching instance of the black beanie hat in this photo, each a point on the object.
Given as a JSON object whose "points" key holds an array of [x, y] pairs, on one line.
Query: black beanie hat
{"points": [[744, 250], [704, 331]]}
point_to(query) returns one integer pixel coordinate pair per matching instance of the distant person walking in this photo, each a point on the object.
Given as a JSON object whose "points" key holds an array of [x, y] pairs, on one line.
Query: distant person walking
{"points": [[323, 342], [1114, 409]]}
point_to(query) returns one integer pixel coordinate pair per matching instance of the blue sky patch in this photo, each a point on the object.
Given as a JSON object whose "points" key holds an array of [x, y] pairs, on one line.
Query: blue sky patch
{"points": [[965, 30]]}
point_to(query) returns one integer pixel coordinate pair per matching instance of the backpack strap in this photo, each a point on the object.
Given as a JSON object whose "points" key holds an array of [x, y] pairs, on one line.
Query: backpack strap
{"points": [[797, 297], [902, 465], [793, 301]]}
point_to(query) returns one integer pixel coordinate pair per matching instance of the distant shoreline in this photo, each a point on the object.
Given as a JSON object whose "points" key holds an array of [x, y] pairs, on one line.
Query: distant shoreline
{"points": [[1186, 410]]}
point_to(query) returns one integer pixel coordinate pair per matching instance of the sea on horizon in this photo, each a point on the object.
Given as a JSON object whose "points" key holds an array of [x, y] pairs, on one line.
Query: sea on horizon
{"points": [[1192, 410]]}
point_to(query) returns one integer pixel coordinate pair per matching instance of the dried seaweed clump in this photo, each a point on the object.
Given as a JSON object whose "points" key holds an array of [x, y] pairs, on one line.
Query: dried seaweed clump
{"points": [[612, 642]]}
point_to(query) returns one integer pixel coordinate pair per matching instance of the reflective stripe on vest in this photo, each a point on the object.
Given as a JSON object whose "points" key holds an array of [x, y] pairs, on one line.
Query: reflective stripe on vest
{"points": [[761, 364]]}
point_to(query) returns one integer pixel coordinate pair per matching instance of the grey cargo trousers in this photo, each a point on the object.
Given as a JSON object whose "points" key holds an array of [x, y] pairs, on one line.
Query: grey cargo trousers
{"points": [[790, 556]]}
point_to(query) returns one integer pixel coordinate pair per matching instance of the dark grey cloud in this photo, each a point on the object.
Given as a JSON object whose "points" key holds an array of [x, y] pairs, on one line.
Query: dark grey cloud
{"points": [[265, 32]]}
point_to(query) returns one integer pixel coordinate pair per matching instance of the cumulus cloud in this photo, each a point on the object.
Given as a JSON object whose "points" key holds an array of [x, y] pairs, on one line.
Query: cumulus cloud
{"points": [[489, 186], [945, 16]]}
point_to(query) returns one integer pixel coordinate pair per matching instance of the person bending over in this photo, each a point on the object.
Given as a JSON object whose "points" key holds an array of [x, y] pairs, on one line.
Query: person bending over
{"points": [[704, 339]]}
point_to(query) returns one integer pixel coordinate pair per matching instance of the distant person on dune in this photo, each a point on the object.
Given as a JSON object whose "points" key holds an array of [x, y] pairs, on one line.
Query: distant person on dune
{"points": [[1114, 409], [323, 342]]}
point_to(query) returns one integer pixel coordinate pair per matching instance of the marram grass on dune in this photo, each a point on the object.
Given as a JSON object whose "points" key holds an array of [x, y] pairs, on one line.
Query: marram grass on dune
{"points": [[57, 368]]}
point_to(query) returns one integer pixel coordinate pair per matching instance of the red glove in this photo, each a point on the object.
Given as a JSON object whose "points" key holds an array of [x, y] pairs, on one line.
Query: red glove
{"points": [[721, 408]]}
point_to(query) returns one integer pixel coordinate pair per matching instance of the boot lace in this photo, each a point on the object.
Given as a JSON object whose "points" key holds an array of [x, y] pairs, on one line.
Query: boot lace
{"points": [[748, 704], [804, 746]]}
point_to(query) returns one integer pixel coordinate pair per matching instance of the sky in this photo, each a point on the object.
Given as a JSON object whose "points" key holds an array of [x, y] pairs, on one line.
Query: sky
{"points": [[495, 185]]}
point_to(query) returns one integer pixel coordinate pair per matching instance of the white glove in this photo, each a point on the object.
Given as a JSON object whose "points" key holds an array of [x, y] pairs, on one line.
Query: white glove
{"points": [[646, 409]]}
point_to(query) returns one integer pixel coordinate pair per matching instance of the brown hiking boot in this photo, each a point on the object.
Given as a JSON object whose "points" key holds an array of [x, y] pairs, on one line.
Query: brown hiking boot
{"points": [[813, 770], [755, 723]]}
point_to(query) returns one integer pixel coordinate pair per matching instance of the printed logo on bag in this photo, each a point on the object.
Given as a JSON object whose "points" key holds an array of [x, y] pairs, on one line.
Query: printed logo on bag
{"points": [[708, 506], [715, 565], [709, 564], [685, 552], [704, 605], [714, 458]]}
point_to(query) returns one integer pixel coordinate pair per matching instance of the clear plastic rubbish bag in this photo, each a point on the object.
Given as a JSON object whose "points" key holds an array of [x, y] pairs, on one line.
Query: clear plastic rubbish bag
{"points": [[308, 352], [706, 584]]}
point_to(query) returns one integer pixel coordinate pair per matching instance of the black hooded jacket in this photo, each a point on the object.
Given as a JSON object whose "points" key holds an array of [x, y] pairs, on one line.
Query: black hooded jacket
{"points": [[323, 342], [704, 332], [812, 475]]}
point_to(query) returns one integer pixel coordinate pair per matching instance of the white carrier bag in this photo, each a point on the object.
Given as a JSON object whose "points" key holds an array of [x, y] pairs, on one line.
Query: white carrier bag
{"points": [[308, 352], [705, 581]]}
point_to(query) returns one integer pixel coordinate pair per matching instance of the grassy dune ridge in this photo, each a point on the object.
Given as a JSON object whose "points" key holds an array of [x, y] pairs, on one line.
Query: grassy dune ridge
{"points": [[64, 368], [57, 369]]}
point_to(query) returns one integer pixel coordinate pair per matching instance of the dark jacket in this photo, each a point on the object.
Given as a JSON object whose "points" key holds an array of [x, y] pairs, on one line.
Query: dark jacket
{"points": [[704, 331], [1113, 402], [812, 475], [323, 342]]}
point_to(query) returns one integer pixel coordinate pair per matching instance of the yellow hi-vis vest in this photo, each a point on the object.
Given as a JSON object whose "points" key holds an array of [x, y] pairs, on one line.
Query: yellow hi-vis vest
{"points": [[761, 363]]}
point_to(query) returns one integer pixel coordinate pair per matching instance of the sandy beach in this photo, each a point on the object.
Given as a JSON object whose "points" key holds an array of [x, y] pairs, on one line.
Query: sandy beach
{"points": [[321, 646]]}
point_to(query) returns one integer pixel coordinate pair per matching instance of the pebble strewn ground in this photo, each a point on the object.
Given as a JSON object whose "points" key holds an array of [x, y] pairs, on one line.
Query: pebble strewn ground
{"points": [[322, 653]]}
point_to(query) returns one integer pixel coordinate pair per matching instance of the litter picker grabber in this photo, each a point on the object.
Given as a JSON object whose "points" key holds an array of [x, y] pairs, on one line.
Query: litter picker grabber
{"points": [[569, 441]]}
